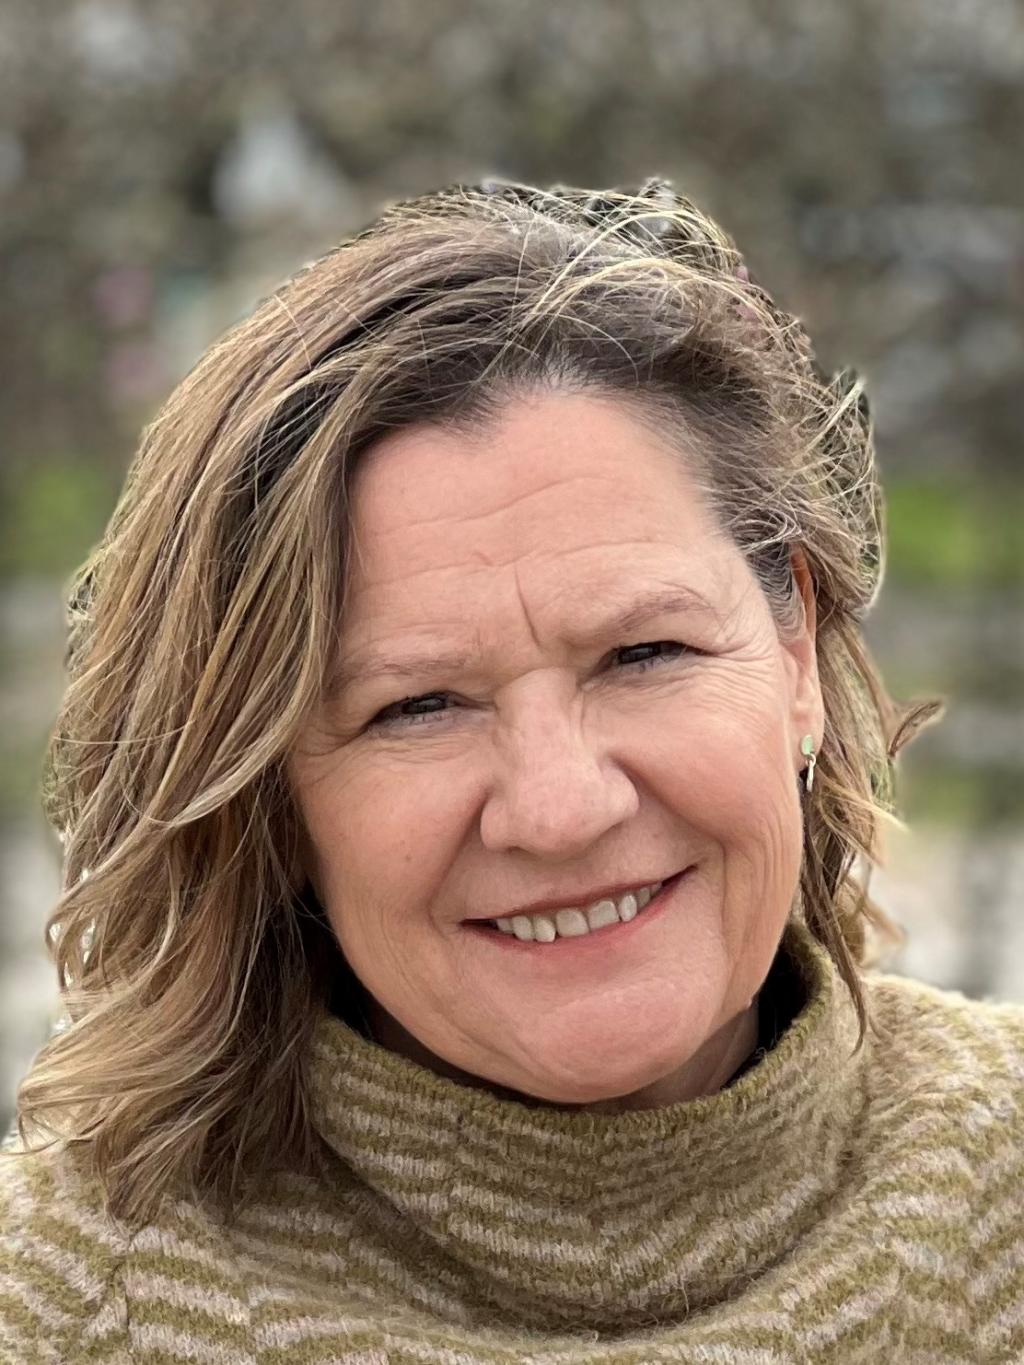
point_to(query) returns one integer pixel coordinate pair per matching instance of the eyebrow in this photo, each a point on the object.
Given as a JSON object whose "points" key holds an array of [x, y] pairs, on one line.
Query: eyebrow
{"points": [[663, 601]]}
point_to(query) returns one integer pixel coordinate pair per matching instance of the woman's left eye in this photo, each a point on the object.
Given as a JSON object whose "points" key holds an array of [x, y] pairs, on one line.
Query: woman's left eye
{"points": [[396, 715], [651, 659]]}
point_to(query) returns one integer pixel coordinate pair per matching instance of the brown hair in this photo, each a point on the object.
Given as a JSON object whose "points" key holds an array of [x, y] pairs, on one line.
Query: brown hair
{"points": [[204, 625]]}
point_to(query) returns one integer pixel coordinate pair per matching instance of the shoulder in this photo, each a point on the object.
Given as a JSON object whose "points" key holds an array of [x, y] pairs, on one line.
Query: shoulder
{"points": [[61, 1258], [946, 1146], [941, 1042], [946, 1079]]}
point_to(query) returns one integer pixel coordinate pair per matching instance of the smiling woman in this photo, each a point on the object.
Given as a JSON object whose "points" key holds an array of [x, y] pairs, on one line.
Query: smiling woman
{"points": [[470, 739]]}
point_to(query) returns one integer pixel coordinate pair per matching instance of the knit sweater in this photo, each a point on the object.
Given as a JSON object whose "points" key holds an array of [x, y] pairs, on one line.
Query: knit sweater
{"points": [[828, 1204]]}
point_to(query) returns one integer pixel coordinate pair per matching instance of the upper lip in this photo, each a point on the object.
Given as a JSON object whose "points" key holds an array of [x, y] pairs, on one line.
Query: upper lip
{"points": [[575, 898]]}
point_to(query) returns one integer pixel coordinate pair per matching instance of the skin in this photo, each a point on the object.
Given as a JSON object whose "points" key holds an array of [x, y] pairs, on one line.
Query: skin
{"points": [[553, 765]]}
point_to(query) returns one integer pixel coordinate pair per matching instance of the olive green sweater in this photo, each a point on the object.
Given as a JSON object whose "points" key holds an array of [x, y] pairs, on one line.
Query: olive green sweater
{"points": [[827, 1205]]}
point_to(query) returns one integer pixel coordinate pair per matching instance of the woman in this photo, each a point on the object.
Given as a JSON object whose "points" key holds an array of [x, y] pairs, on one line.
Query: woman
{"points": [[468, 742]]}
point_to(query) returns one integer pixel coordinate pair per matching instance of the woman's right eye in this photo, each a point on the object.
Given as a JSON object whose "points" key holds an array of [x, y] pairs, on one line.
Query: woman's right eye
{"points": [[394, 715]]}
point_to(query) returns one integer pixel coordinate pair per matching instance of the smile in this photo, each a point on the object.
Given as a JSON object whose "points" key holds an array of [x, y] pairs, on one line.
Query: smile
{"points": [[603, 918]]}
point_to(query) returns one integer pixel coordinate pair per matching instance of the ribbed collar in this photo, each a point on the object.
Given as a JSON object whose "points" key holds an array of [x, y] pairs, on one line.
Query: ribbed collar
{"points": [[559, 1219]]}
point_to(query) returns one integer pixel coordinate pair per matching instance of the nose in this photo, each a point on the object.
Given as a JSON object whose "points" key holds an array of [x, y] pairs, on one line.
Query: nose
{"points": [[555, 791]]}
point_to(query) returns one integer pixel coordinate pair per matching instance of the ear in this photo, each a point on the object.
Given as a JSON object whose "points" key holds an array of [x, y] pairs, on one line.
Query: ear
{"points": [[806, 708]]}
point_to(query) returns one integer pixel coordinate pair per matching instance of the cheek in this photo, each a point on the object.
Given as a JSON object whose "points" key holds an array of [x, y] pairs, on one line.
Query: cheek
{"points": [[381, 837], [732, 789], [723, 763]]}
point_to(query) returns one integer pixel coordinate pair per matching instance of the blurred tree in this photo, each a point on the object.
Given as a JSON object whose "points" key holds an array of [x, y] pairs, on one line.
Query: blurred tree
{"points": [[880, 140]]}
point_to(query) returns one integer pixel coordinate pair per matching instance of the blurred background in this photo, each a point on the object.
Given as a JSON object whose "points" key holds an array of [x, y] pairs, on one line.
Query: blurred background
{"points": [[165, 163]]}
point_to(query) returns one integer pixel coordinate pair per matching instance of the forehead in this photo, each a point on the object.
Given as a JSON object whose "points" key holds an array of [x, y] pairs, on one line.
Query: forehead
{"points": [[563, 510], [553, 472]]}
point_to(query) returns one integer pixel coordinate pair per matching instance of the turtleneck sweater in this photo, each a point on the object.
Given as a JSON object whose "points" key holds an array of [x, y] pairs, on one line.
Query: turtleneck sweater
{"points": [[829, 1204]]}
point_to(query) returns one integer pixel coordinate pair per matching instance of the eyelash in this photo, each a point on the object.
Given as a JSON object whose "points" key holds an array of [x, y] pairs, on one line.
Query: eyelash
{"points": [[384, 719]]}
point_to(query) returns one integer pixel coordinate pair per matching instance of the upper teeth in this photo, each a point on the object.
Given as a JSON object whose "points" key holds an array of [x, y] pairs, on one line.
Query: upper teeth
{"points": [[578, 920]]}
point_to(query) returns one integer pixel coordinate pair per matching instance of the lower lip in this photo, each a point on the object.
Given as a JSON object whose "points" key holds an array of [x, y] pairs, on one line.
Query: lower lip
{"points": [[618, 932]]}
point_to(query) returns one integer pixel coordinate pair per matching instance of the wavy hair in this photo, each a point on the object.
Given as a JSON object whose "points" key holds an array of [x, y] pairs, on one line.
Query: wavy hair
{"points": [[191, 956]]}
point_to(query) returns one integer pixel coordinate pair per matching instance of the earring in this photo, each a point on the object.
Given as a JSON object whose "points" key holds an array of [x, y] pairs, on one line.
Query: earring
{"points": [[807, 747]]}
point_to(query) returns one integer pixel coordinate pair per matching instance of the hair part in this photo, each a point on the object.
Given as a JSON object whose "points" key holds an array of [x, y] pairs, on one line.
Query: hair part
{"points": [[204, 625]]}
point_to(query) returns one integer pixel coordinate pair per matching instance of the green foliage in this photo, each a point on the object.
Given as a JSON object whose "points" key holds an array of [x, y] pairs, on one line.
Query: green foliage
{"points": [[53, 512], [954, 534], [21, 766]]}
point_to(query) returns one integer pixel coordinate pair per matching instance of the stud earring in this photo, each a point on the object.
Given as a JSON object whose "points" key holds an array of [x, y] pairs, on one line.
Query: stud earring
{"points": [[807, 747]]}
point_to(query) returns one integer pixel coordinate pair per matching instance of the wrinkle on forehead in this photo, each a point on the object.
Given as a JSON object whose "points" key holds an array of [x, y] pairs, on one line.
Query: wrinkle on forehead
{"points": [[481, 562], [411, 498], [527, 617]]}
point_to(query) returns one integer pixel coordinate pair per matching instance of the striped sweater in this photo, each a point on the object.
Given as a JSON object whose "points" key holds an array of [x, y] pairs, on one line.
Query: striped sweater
{"points": [[827, 1205]]}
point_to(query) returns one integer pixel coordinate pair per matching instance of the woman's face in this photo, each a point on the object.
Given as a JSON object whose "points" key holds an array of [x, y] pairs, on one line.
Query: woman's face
{"points": [[557, 681]]}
